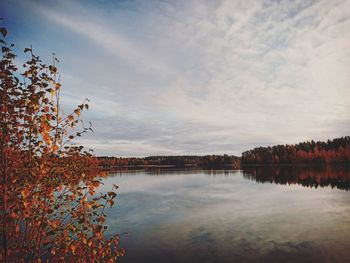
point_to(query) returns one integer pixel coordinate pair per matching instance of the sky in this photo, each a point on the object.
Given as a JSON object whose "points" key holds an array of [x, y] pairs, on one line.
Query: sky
{"points": [[195, 77]]}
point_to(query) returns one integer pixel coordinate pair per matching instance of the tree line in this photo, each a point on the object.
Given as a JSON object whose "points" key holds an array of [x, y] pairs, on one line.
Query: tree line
{"points": [[310, 152], [207, 161], [331, 151]]}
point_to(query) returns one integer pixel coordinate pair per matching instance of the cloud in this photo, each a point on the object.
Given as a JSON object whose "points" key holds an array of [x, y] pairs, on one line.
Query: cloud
{"points": [[92, 27], [173, 77]]}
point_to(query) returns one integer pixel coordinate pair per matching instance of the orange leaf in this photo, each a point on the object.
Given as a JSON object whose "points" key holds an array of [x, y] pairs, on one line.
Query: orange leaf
{"points": [[57, 86], [14, 215], [24, 193], [72, 248], [54, 148]]}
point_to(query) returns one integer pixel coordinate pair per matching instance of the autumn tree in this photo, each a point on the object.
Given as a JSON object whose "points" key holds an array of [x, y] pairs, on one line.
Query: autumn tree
{"points": [[48, 207], [330, 152]]}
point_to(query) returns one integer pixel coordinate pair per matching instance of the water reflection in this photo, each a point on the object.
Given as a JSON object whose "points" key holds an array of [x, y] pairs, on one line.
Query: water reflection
{"points": [[169, 171], [314, 176], [230, 216]]}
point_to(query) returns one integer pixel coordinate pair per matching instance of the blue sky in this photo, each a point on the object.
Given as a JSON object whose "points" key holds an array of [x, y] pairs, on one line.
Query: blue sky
{"points": [[195, 77]]}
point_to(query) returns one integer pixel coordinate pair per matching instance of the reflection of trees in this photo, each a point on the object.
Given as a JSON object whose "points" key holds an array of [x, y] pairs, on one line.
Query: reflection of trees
{"points": [[317, 176], [119, 171]]}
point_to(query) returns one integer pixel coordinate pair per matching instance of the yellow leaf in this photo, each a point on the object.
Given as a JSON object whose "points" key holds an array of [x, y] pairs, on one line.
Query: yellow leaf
{"points": [[24, 193], [77, 112]]}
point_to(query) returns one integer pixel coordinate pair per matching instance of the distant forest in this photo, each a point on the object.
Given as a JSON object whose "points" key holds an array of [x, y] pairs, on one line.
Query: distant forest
{"points": [[207, 161], [332, 151], [310, 152]]}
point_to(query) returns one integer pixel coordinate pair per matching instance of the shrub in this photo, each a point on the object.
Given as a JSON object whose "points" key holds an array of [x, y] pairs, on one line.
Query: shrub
{"points": [[49, 209]]}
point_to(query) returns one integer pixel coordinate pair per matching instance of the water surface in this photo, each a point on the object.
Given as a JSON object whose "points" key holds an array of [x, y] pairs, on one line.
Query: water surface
{"points": [[257, 215]]}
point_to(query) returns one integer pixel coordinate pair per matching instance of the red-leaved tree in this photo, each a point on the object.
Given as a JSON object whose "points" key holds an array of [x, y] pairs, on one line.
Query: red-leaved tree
{"points": [[48, 207]]}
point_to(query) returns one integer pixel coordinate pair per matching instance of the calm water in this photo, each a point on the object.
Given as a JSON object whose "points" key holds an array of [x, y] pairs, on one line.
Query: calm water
{"points": [[259, 215]]}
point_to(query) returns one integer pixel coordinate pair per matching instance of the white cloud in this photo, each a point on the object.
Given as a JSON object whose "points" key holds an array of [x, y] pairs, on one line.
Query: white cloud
{"points": [[96, 29], [238, 73]]}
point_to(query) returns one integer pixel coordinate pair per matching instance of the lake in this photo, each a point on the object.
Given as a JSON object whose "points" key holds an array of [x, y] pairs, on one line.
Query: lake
{"points": [[255, 215]]}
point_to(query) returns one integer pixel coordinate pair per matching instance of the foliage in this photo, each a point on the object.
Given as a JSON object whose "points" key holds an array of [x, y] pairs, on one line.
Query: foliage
{"points": [[49, 210], [207, 161], [332, 151]]}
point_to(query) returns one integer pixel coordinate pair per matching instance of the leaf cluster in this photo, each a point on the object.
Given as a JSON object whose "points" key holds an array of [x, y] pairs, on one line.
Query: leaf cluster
{"points": [[49, 207]]}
